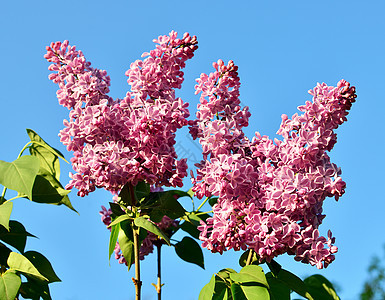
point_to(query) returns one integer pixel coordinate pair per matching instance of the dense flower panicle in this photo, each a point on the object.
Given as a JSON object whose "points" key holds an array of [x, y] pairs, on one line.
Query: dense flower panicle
{"points": [[124, 140], [270, 192], [147, 247], [220, 99]]}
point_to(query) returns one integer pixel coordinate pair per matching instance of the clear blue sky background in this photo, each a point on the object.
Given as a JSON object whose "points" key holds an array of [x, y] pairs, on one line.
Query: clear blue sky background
{"points": [[283, 48]]}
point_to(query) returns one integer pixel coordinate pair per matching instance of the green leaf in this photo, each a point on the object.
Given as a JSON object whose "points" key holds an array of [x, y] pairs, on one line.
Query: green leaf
{"points": [[5, 214], [213, 201], [254, 291], [294, 283], [190, 251], [179, 194], [190, 193], [43, 265], [224, 274], [119, 219], [208, 290], [167, 205], [237, 292], [22, 264], [142, 190], [35, 290], [125, 196], [320, 288], [66, 201], [116, 209], [9, 285], [47, 189], [278, 289], [274, 267], [244, 257], [113, 239], [190, 229], [16, 237], [146, 224], [48, 156], [250, 273], [195, 219], [126, 243], [4, 254], [224, 293], [20, 174]]}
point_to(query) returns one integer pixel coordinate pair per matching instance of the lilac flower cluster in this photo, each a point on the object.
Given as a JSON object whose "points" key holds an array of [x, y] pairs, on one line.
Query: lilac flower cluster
{"points": [[270, 192], [125, 140], [147, 247]]}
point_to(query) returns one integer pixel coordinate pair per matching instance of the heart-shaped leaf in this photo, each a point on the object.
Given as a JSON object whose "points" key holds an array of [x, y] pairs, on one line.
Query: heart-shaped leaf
{"points": [[294, 283], [5, 214], [320, 288], [208, 290], [167, 205], [278, 289], [48, 156], [142, 190], [250, 273], [22, 264], [254, 291], [20, 174], [190, 229], [9, 285], [189, 250], [34, 289], [43, 265], [148, 225], [16, 236], [47, 189]]}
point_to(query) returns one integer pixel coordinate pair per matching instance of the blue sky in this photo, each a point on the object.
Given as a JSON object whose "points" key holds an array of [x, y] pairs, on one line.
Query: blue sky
{"points": [[282, 48]]}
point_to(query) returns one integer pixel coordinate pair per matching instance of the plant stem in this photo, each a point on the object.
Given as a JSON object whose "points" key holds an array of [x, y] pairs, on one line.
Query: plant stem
{"points": [[136, 280], [200, 206], [2, 199], [251, 252], [24, 148], [159, 283], [204, 212]]}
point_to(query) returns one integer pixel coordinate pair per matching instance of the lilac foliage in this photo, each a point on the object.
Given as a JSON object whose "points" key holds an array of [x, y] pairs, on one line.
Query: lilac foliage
{"points": [[147, 247], [270, 192], [124, 140]]}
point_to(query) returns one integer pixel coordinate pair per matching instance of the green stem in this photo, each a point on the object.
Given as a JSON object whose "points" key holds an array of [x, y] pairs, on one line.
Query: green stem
{"points": [[159, 283], [200, 206], [136, 280], [204, 212], [24, 148], [2, 199], [249, 257], [12, 199]]}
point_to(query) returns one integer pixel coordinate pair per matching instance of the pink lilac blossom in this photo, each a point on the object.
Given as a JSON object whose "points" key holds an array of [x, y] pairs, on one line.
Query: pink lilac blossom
{"points": [[147, 247], [124, 140], [270, 192]]}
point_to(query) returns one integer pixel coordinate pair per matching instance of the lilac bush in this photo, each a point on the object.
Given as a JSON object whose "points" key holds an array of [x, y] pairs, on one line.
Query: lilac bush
{"points": [[268, 193]]}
